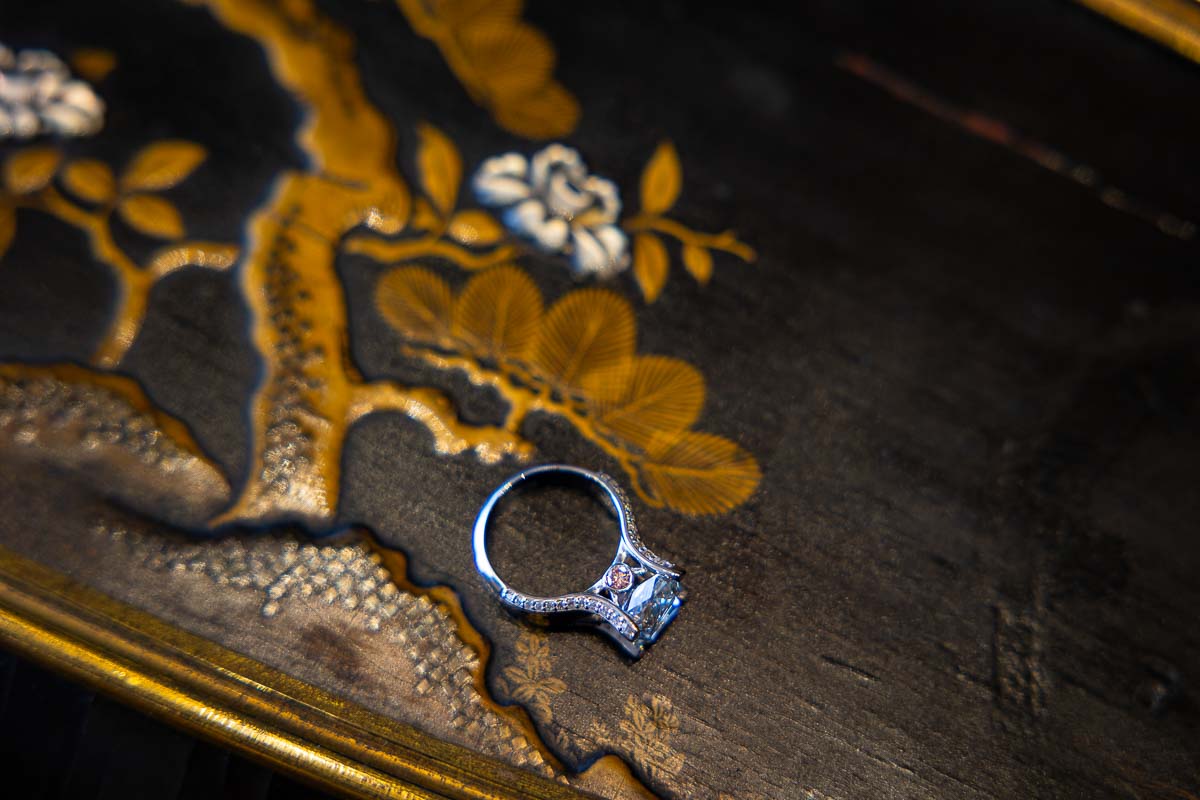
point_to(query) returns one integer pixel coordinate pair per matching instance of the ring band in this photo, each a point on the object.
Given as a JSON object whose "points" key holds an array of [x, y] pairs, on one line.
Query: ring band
{"points": [[633, 602]]}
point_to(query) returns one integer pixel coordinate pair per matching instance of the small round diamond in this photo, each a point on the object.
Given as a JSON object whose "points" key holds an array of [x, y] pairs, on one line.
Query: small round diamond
{"points": [[618, 578]]}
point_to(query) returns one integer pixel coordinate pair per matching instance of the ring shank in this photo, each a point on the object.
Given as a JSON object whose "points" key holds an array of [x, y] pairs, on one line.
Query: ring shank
{"points": [[533, 474]]}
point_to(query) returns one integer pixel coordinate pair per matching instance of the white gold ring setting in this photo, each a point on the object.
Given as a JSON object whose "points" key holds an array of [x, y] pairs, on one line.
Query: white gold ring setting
{"points": [[635, 599]]}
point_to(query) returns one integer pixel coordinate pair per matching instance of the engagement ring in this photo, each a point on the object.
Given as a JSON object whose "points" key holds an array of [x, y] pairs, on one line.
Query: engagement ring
{"points": [[633, 601]]}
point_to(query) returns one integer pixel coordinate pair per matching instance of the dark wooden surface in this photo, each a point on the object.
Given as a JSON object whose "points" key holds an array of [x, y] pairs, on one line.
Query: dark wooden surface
{"points": [[972, 384]]}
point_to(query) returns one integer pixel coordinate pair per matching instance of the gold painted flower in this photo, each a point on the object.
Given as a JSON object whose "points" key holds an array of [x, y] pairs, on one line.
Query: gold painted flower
{"points": [[648, 728], [530, 681], [38, 95], [552, 200]]}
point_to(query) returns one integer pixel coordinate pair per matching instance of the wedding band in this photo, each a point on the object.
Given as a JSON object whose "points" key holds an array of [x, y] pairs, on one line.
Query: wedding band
{"points": [[633, 601]]}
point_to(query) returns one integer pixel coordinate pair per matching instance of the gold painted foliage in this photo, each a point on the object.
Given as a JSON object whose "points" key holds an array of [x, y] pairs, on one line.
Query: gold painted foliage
{"points": [[93, 64], [578, 359], [470, 238], [506, 65], [29, 181], [473, 239], [645, 736], [530, 681], [154, 168], [662, 181], [440, 167]]}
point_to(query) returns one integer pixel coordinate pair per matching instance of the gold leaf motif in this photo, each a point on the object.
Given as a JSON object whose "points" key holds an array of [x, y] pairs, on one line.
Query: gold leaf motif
{"points": [[8, 227], [534, 651], [465, 12], [415, 302], [424, 217], [650, 264], [503, 63], [661, 180], [30, 169], [475, 228], [530, 680], [515, 58], [544, 113], [498, 313], [578, 360], [151, 215], [665, 397], [161, 165], [699, 473], [90, 180], [93, 64], [698, 262], [440, 166], [645, 736], [87, 205], [540, 689], [587, 343]]}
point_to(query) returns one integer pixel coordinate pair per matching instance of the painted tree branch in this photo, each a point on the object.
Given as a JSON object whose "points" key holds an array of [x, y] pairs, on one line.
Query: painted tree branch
{"points": [[310, 393], [436, 412], [133, 282], [724, 241], [391, 251]]}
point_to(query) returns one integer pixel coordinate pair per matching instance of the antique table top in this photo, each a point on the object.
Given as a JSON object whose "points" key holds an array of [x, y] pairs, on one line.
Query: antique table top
{"points": [[887, 318]]}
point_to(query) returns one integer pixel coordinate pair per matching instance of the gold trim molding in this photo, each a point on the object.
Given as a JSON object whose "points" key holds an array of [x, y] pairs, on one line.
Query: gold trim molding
{"points": [[1174, 23], [237, 702]]}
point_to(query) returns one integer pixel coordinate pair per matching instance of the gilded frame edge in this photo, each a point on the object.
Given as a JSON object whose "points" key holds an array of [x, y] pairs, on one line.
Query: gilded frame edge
{"points": [[217, 694], [1172, 23]]}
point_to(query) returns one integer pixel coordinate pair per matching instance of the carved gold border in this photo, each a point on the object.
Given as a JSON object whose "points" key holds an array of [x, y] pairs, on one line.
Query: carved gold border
{"points": [[217, 694], [1174, 23]]}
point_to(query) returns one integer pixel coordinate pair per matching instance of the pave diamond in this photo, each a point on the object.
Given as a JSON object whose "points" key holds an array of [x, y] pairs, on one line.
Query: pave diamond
{"points": [[653, 604]]}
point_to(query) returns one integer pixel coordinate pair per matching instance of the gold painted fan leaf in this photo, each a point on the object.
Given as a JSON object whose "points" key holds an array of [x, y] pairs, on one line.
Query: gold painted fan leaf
{"points": [[699, 473], [698, 262], [498, 313], [661, 180], [587, 344], [90, 180], [474, 228], [8, 227], [547, 112], [161, 165], [440, 166], [30, 169], [650, 264], [665, 397], [458, 13], [513, 59], [415, 302], [151, 215]]}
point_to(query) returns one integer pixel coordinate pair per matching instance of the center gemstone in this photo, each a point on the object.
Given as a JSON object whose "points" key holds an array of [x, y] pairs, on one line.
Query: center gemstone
{"points": [[653, 604]]}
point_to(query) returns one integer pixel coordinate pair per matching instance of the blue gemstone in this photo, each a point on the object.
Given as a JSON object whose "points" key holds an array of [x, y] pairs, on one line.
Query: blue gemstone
{"points": [[653, 604]]}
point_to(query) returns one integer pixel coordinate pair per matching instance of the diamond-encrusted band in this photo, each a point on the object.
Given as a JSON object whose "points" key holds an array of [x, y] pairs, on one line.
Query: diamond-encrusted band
{"points": [[635, 599]]}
